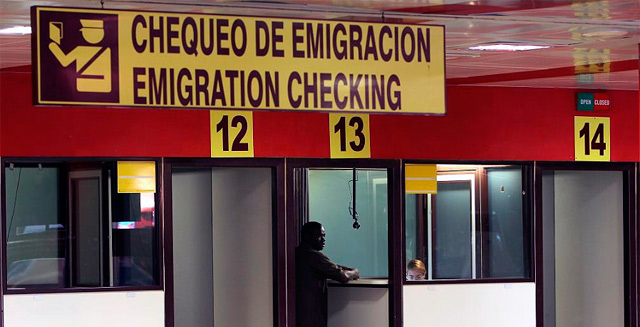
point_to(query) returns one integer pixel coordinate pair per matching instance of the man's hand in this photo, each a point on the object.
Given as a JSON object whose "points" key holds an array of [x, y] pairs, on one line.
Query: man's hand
{"points": [[352, 274]]}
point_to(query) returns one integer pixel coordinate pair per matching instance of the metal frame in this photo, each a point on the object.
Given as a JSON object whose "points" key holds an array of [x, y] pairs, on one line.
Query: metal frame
{"points": [[528, 223], [62, 161], [278, 220], [395, 237], [630, 225]]}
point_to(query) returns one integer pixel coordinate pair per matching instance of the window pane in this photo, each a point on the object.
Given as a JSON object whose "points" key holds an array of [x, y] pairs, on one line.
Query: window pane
{"points": [[505, 231], [67, 227], [35, 228], [134, 240], [451, 223], [411, 227], [330, 203]]}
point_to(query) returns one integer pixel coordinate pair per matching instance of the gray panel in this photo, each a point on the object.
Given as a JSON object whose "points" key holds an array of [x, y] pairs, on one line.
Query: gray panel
{"points": [[589, 249], [243, 247], [86, 210], [192, 248]]}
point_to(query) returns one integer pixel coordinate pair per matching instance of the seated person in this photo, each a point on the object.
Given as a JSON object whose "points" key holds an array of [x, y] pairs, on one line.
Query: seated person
{"points": [[416, 270]]}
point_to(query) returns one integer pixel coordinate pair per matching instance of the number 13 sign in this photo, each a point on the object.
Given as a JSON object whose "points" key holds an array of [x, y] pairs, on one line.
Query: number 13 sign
{"points": [[592, 142], [349, 136]]}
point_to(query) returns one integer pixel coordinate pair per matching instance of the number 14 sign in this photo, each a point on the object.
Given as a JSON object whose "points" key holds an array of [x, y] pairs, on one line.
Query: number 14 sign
{"points": [[592, 142]]}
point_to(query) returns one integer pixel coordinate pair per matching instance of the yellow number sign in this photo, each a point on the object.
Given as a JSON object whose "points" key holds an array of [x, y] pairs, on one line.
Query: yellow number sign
{"points": [[231, 133], [349, 136], [136, 176], [592, 142]]}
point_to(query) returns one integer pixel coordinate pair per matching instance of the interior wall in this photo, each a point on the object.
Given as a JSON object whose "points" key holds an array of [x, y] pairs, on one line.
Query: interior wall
{"points": [[358, 306], [589, 243], [108, 309], [478, 305], [242, 247], [192, 247]]}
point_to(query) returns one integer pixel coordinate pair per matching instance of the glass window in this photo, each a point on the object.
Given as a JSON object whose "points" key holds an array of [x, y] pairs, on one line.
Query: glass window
{"points": [[66, 226], [36, 228], [331, 202], [470, 223]]}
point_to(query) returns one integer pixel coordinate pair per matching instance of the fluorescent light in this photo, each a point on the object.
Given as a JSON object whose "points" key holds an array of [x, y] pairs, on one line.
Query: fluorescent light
{"points": [[509, 47], [16, 30], [606, 33]]}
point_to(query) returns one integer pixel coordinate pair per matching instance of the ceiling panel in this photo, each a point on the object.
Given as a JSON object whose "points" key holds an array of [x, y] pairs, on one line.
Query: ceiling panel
{"points": [[590, 41]]}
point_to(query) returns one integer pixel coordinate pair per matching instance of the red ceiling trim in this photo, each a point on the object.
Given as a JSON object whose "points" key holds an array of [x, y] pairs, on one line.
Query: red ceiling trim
{"points": [[616, 66], [17, 69], [486, 6]]}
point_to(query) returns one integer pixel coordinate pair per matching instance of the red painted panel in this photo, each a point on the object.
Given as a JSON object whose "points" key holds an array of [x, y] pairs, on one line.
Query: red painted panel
{"points": [[291, 134], [486, 123], [482, 123], [104, 132]]}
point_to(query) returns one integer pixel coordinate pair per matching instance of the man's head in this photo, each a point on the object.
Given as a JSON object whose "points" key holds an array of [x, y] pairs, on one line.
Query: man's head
{"points": [[313, 234], [92, 30]]}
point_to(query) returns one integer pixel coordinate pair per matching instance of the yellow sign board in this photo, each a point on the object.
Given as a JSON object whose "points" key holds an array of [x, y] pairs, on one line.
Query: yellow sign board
{"points": [[173, 60], [231, 133], [136, 177], [420, 179], [349, 136], [592, 138]]}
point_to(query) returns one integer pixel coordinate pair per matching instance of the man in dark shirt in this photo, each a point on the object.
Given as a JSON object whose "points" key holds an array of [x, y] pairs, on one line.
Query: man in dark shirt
{"points": [[312, 271]]}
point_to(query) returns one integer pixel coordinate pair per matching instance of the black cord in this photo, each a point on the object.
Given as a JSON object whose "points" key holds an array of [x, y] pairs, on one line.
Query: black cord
{"points": [[15, 201], [352, 193]]}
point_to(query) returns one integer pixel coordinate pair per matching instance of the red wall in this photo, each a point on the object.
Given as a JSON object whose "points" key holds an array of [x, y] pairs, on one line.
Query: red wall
{"points": [[482, 123]]}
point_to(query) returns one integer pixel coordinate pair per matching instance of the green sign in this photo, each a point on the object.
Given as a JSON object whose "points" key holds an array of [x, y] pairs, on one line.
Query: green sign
{"points": [[585, 101]]}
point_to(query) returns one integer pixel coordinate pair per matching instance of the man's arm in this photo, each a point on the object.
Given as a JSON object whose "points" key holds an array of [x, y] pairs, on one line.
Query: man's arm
{"points": [[322, 265], [64, 59]]}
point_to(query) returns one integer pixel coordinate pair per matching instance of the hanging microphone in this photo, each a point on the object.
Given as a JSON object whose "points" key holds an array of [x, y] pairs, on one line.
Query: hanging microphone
{"points": [[356, 225]]}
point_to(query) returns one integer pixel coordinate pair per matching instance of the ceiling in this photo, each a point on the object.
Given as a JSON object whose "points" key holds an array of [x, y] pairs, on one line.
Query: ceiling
{"points": [[593, 44]]}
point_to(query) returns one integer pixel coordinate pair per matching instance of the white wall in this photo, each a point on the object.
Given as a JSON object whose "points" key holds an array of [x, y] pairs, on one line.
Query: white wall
{"points": [[242, 247], [108, 309], [358, 306], [478, 305], [589, 256]]}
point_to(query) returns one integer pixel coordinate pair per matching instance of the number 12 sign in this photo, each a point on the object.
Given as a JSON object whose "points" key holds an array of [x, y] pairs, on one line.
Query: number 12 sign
{"points": [[231, 133], [592, 141]]}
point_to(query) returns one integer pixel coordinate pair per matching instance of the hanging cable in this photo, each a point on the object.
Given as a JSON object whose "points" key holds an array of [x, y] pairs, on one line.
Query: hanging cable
{"points": [[352, 204]]}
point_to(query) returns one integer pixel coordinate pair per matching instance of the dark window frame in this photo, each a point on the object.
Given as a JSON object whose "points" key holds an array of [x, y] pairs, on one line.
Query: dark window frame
{"points": [[63, 162], [631, 231], [277, 167], [395, 188], [528, 225]]}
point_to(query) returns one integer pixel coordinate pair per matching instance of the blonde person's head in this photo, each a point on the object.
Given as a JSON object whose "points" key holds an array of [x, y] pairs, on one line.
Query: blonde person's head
{"points": [[416, 270]]}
